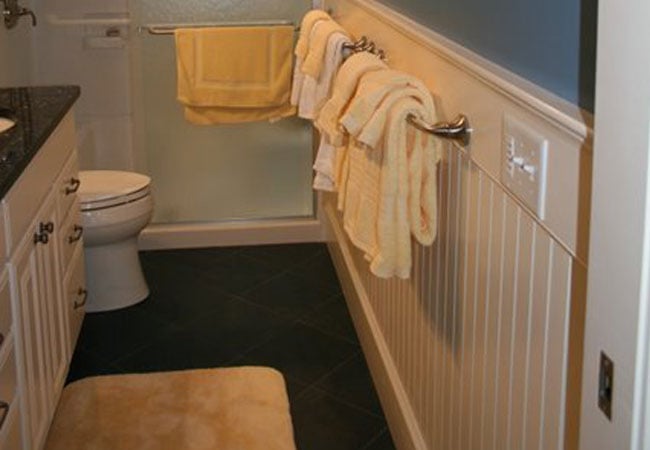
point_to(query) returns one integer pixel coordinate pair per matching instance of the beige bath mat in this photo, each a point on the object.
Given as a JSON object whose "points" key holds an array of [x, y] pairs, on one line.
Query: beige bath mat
{"points": [[240, 408]]}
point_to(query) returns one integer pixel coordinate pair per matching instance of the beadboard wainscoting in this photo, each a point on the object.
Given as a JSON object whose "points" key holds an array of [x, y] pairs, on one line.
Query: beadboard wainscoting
{"points": [[482, 348]]}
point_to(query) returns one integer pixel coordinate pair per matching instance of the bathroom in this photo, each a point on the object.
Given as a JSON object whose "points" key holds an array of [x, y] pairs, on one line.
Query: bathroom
{"points": [[495, 339]]}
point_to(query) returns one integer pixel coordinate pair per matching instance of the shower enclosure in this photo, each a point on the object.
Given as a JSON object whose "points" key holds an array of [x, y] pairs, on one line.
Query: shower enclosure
{"points": [[206, 178], [212, 185]]}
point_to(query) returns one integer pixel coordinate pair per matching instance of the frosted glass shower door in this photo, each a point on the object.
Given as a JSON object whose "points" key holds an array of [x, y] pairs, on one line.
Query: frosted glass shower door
{"points": [[216, 173]]}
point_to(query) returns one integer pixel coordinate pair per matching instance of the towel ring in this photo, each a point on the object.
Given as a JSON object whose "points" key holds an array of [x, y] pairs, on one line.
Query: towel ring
{"points": [[457, 130]]}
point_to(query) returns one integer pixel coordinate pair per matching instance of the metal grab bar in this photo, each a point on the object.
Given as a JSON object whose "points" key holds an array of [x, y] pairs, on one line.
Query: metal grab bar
{"points": [[167, 29], [458, 129], [72, 22]]}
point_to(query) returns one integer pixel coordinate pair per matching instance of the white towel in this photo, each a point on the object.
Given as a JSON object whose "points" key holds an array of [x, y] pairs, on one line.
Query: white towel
{"points": [[325, 166], [315, 92]]}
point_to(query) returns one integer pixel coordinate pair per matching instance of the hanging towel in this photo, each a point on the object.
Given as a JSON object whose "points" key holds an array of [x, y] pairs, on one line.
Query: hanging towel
{"points": [[302, 46], [316, 91], [308, 21], [344, 87], [374, 88], [313, 63], [218, 84]]}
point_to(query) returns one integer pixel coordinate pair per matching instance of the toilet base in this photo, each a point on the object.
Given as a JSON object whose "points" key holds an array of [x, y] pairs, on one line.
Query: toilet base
{"points": [[114, 276]]}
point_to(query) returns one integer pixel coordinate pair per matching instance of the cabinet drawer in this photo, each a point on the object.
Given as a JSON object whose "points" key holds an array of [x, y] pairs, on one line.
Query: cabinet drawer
{"points": [[67, 185], [5, 310], [10, 433], [71, 236], [28, 192], [75, 295]]}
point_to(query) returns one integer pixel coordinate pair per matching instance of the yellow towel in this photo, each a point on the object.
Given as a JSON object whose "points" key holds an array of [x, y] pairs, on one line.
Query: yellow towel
{"points": [[344, 87], [315, 60], [234, 74], [308, 22]]}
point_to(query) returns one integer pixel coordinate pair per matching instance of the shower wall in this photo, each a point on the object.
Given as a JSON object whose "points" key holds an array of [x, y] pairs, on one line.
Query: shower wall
{"points": [[72, 46], [214, 173]]}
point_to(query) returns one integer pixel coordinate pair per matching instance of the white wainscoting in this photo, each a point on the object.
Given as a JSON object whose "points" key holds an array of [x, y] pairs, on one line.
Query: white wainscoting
{"points": [[482, 347]]}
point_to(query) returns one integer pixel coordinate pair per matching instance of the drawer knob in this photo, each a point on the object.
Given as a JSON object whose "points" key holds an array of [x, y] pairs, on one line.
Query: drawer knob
{"points": [[2, 339], [41, 238], [73, 186], [46, 227], [83, 293], [78, 231], [4, 412]]}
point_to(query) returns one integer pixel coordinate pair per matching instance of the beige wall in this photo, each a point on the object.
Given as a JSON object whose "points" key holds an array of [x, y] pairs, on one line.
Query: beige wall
{"points": [[15, 54]]}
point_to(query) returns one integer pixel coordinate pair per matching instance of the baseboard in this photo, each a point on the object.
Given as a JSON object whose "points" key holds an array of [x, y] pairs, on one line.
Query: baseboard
{"points": [[260, 232], [400, 416]]}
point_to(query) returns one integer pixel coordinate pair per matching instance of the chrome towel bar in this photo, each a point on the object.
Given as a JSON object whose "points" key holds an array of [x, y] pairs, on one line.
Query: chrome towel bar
{"points": [[458, 129], [167, 29]]}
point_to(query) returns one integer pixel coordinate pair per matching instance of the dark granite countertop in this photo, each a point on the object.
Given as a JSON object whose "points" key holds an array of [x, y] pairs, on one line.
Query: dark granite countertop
{"points": [[38, 111]]}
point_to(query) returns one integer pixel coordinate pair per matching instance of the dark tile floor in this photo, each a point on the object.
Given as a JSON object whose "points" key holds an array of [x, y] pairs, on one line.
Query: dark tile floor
{"points": [[279, 306]]}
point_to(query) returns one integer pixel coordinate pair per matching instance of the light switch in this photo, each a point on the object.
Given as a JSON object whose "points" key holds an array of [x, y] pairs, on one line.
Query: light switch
{"points": [[523, 165]]}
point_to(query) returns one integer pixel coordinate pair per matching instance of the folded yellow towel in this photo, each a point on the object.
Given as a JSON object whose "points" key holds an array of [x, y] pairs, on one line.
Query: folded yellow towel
{"points": [[315, 59], [209, 116], [237, 71], [308, 22], [344, 87]]}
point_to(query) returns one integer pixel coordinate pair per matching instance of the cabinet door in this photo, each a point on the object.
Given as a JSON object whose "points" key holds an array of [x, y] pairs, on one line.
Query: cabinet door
{"points": [[29, 309], [49, 276]]}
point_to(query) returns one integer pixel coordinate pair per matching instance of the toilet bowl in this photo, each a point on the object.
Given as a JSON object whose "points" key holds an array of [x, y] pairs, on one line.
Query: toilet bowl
{"points": [[115, 207]]}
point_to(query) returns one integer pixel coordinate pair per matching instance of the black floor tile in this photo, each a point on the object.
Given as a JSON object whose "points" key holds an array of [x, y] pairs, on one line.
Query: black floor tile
{"points": [[381, 442], [238, 273], [177, 350], [114, 334], [318, 269], [284, 256], [300, 352], [85, 364], [333, 317], [321, 422], [353, 382], [290, 295], [181, 295]]}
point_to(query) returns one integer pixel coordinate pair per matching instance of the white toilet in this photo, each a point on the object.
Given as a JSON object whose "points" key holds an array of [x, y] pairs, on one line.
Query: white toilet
{"points": [[115, 207]]}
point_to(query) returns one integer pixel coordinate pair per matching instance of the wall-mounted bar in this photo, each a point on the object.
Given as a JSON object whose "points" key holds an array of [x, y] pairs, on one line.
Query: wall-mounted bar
{"points": [[71, 22], [167, 29], [458, 129]]}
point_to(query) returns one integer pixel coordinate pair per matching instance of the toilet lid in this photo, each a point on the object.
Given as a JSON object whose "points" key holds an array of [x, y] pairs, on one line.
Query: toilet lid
{"points": [[108, 186]]}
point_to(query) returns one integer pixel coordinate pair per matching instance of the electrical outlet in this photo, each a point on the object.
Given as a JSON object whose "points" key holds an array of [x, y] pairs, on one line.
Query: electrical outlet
{"points": [[606, 385], [523, 167]]}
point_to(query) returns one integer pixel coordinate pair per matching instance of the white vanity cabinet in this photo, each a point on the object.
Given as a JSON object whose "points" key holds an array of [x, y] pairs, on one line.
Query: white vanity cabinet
{"points": [[44, 252]]}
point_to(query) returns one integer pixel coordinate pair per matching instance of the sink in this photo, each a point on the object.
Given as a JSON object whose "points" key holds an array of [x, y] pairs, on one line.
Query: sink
{"points": [[7, 120]]}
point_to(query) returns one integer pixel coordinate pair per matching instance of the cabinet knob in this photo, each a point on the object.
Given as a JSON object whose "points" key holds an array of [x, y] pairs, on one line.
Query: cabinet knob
{"points": [[73, 186], [4, 412], [41, 238], [83, 293], [2, 339], [78, 231], [46, 227]]}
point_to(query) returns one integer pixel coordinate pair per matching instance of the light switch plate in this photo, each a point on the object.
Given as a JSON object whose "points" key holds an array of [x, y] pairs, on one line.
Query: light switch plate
{"points": [[523, 163]]}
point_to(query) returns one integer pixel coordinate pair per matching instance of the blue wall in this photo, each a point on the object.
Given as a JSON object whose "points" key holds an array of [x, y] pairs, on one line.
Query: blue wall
{"points": [[550, 42]]}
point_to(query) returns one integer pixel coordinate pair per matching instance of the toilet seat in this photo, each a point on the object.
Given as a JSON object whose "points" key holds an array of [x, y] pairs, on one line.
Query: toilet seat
{"points": [[102, 189]]}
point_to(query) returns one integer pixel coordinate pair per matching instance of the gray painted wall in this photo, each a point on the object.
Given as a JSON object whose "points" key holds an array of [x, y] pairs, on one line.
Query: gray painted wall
{"points": [[550, 42]]}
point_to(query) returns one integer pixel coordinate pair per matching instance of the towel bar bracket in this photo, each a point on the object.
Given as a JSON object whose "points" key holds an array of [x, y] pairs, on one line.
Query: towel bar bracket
{"points": [[458, 129]]}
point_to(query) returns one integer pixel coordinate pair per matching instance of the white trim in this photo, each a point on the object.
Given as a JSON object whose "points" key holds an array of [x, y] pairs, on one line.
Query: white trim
{"points": [[401, 417], [537, 100], [254, 232]]}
